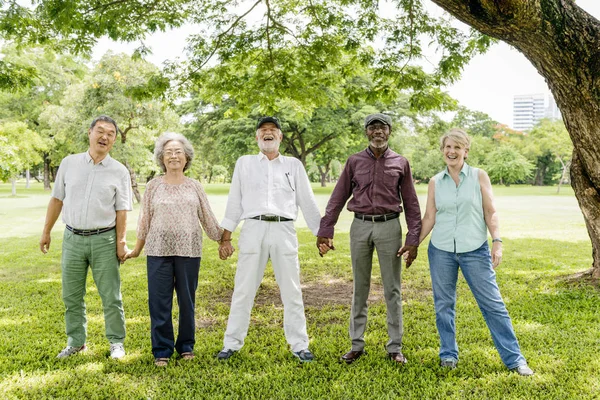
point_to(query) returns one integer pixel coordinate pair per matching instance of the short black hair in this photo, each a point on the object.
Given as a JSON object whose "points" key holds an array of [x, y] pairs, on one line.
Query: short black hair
{"points": [[104, 118]]}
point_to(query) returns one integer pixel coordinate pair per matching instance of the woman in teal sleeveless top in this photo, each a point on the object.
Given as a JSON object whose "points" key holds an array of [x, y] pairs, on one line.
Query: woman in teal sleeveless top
{"points": [[460, 210]]}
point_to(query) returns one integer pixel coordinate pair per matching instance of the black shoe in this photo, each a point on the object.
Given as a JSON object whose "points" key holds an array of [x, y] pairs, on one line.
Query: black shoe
{"points": [[304, 355], [225, 354]]}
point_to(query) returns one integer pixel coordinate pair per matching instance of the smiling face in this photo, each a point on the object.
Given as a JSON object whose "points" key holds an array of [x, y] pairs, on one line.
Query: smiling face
{"points": [[454, 153], [268, 137], [378, 134], [174, 156], [102, 138]]}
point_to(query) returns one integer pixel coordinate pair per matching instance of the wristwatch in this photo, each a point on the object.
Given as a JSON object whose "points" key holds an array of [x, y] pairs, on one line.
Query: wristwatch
{"points": [[497, 240]]}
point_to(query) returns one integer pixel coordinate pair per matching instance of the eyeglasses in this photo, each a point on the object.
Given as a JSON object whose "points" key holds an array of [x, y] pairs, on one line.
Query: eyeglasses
{"points": [[375, 127], [176, 153]]}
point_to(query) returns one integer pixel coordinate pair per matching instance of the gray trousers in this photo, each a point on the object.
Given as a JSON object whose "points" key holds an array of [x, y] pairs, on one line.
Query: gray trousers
{"points": [[386, 238]]}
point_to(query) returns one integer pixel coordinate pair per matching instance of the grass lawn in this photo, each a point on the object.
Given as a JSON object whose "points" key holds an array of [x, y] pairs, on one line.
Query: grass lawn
{"points": [[556, 320]]}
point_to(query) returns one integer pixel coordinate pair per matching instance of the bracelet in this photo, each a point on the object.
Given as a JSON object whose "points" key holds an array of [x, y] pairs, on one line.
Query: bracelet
{"points": [[225, 240], [497, 240]]}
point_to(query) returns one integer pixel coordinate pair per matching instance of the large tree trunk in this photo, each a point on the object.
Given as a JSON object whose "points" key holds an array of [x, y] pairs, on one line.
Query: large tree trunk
{"points": [[324, 173], [561, 41], [47, 173], [134, 184]]}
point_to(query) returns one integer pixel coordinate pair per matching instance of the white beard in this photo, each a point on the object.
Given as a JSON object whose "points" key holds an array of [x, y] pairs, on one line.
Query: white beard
{"points": [[378, 145], [270, 146]]}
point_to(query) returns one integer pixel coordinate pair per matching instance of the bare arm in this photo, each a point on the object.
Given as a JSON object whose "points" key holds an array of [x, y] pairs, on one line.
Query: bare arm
{"points": [[54, 208], [491, 216], [121, 234], [426, 223], [430, 211]]}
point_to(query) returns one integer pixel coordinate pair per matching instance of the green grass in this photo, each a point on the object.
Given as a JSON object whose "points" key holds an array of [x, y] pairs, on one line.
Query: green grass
{"points": [[556, 320]]}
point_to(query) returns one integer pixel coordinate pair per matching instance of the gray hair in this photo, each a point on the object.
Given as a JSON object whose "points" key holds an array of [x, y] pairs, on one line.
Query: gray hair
{"points": [[459, 136], [104, 118], [161, 142]]}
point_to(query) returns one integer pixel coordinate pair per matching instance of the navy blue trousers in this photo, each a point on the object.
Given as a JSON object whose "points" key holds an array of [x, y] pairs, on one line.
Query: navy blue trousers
{"points": [[164, 275]]}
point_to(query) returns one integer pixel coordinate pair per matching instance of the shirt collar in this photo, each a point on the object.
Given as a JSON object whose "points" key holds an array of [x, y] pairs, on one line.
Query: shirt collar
{"points": [[463, 171], [262, 156], [89, 159], [371, 154]]}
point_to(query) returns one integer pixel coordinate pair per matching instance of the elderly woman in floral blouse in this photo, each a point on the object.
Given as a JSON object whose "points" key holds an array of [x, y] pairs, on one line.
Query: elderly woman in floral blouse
{"points": [[172, 211]]}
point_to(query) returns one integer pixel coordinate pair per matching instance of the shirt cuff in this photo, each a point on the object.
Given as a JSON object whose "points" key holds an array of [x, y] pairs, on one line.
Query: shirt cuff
{"points": [[411, 240], [229, 224], [326, 232]]}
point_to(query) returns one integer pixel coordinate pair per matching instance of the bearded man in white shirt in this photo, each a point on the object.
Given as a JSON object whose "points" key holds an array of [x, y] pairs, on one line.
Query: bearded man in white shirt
{"points": [[266, 191]]}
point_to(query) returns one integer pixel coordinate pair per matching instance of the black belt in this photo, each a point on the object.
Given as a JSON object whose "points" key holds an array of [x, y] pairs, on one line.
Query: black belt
{"points": [[89, 232], [377, 218], [271, 218]]}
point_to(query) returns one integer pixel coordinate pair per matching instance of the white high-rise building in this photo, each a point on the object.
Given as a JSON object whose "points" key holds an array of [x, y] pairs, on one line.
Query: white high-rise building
{"points": [[529, 109]]}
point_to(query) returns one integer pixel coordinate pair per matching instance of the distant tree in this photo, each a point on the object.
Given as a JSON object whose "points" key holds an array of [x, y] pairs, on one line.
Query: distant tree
{"points": [[475, 123], [506, 165], [20, 148], [551, 148], [54, 74]]}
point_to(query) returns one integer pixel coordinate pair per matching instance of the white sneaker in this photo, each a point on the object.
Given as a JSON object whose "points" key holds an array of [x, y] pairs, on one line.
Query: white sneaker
{"points": [[117, 350], [70, 350], [523, 370]]}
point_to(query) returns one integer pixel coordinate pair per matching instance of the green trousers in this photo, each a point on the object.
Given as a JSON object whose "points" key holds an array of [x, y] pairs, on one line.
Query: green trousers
{"points": [[98, 252]]}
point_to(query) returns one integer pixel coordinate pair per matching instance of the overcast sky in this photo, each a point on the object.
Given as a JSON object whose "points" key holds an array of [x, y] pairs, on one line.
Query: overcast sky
{"points": [[488, 83]]}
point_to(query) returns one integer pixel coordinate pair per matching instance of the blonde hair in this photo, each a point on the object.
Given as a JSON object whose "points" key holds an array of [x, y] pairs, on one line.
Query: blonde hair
{"points": [[459, 136]]}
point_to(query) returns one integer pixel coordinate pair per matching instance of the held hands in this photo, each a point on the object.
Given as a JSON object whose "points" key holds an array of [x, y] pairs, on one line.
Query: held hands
{"points": [[324, 245], [226, 249], [409, 252], [129, 254], [496, 254]]}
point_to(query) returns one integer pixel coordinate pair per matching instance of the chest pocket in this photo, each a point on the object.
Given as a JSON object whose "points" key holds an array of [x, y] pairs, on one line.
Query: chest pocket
{"points": [[361, 179], [284, 182], [391, 178]]}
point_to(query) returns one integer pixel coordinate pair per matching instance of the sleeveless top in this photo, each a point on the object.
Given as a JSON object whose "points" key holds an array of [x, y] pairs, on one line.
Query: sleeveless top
{"points": [[459, 222]]}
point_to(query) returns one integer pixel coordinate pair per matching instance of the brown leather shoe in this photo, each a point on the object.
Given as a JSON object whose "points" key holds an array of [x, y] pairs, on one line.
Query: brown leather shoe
{"points": [[398, 357], [352, 356]]}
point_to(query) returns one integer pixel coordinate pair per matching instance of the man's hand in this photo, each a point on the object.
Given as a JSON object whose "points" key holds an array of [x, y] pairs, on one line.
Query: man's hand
{"points": [[324, 245], [409, 252], [226, 249], [45, 242], [122, 251], [496, 254]]}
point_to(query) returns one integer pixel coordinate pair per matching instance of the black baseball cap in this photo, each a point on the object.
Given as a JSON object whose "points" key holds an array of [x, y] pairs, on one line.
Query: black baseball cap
{"points": [[264, 120], [386, 119]]}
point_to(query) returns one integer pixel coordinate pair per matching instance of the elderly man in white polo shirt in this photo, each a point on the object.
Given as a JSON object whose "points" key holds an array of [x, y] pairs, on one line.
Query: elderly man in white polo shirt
{"points": [[266, 191], [93, 191]]}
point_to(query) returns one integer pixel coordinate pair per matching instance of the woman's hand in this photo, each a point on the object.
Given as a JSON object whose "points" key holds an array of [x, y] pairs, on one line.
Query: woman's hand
{"points": [[131, 254], [226, 249], [496, 254]]}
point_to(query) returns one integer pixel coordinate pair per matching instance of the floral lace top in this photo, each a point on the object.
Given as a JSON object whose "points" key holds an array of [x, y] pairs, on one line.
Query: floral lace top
{"points": [[170, 219]]}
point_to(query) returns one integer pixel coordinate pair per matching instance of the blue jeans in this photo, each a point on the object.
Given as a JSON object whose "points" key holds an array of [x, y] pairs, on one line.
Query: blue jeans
{"points": [[476, 267], [164, 275]]}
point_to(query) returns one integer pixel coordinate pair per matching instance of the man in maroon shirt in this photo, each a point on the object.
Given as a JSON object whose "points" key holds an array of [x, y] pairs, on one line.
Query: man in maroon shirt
{"points": [[379, 182]]}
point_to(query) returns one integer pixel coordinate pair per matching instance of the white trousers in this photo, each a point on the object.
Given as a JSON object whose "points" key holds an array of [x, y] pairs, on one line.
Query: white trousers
{"points": [[259, 241]]}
